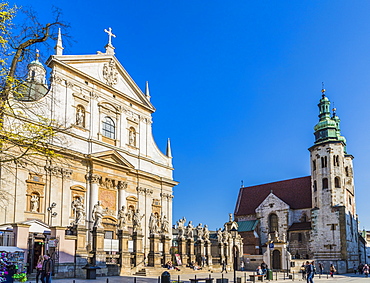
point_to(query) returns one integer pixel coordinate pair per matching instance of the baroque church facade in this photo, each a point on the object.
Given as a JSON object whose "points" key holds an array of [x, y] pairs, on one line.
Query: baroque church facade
{"points": [[111, 187], [312, 217]]}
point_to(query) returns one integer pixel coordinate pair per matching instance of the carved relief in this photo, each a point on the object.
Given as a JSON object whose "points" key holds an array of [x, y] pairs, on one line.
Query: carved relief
{"points": [[110, 73], [108, 199]]}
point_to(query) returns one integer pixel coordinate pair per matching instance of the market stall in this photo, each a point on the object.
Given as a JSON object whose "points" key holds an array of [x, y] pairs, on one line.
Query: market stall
{"points": [[12, 265]]}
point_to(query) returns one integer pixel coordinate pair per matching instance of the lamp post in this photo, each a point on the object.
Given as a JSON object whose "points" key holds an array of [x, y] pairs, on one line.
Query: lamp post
{"points": [[234, 233], [51, 213]]}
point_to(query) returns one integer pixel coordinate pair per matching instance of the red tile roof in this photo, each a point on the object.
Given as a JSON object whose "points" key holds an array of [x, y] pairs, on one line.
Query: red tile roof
{"points": [[295, 192]]}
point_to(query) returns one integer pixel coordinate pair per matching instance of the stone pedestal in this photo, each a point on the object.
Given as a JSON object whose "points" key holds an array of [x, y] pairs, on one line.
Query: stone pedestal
{"points": [[208, 245], [125, 257], [138, 248], [190, 250], [182, 251], [166, 243], [99, 255], [82, 254], [154, 258], [200, 252]]}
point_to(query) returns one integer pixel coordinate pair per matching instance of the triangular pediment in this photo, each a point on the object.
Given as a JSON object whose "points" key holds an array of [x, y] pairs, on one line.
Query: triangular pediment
{"points": [[108, 71], [112, 157], [272, 203]]}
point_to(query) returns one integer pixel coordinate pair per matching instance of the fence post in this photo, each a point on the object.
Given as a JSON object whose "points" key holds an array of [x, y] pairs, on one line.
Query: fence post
{"points": [[159, 279], [134, 279], [275, 275], [293, 276], [107, 280], [178, 278]]}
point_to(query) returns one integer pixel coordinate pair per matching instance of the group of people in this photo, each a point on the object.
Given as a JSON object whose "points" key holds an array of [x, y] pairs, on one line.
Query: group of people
{"points": [[262, 269], [169, 265], [44, 269], [308, 270], [362, 269]]}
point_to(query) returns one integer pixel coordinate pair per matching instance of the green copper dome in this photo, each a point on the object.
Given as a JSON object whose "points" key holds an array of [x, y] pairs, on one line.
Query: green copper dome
{"points": [[328, 127]]}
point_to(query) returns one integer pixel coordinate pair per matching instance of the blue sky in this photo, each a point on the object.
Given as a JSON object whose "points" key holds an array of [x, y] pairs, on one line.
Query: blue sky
{"points": [[236, 86]]}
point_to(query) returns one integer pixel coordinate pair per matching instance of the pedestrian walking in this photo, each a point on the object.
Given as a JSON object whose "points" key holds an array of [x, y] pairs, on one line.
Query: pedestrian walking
{"points": [[47, 269], [332, 270], [224, 267], [366, 270], [310, 271]]}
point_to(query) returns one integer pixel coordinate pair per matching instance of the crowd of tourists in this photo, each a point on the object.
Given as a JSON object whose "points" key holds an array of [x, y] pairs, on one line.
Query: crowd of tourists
{"points": [[362, 269], [308, 270]]}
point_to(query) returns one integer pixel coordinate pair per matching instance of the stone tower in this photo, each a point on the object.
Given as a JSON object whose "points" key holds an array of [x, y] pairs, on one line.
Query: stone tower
{"points": [[334, 236]]}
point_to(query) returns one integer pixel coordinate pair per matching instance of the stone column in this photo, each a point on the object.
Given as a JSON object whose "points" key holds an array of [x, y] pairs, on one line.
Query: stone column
{"points": [[166, 242], [208, 245], [122, 186], [138, 248], [99, 255], [93, 180], [190, 250], [21, 232], [221, 252], [154, 258], [125, 257], [200, 251], [182, 251]]}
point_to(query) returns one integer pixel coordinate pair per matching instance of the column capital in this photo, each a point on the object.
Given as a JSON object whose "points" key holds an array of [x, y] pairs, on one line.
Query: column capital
{"points": [[93, 178]]}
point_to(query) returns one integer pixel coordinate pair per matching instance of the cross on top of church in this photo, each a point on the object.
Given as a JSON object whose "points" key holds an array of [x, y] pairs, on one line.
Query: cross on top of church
{"points": [[110, 34]]}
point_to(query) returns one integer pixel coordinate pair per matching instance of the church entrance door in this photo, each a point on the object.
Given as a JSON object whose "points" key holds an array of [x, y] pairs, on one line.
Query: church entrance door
{"points": [[276, 259]]}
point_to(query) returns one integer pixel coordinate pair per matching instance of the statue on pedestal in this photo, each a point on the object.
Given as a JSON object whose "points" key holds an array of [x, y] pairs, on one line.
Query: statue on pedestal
{"points": [[79, 210], [34, 203], [181, 227], [165, 225], [200, 231], [190, 230], [153, 224], [97, 214], [206, 233], [122, 218], [219, 235], [136, 218]]}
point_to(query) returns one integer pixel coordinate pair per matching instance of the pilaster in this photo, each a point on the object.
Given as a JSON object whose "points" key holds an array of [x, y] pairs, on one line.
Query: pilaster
{"points": [[154, 258], [125, 257]]}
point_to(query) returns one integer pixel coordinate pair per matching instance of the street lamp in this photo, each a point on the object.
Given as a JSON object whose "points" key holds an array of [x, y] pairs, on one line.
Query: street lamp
{"points": [[234, 233], [51, 213]]}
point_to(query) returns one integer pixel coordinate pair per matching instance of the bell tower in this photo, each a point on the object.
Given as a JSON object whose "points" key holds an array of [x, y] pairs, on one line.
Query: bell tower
{"points": [[333, 217]]}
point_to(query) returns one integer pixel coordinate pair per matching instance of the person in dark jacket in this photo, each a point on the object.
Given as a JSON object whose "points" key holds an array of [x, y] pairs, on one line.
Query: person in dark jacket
{"points": [[47, 269]]}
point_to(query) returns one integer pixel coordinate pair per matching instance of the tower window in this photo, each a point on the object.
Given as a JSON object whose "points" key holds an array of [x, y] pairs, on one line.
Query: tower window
{"points": [[336, 160], [332, 226], [337, 182], [325, 183], [347, 171], [109, 129], [273, 222], [324, 162], [314, 186], [350, 200], [299, 237], [314, 165]]}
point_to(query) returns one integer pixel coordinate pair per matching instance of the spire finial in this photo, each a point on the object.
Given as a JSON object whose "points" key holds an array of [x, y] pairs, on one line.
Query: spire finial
{"points": [[322, 89], [109, 49], [169, 151], [242, 184], [59, 46], [37, 54], [147, 92]]}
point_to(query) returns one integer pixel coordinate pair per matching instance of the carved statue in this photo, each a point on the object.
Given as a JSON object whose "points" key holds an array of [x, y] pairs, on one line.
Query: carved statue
{"points": [[225, 236], [276, 236], [79, 210], [200, 231], [153, 224], [136, 218], [219, 235], [34, 203], [122, 218], [80, 117], [190, 230], [230, 217], [205, 233], [180, 226], [165, 224], [284, 238], [97, 214]]}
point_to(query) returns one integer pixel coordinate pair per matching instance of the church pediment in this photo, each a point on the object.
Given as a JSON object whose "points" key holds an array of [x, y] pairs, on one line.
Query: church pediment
{"points": [[112, 157], [108, 71], [272, 203]]}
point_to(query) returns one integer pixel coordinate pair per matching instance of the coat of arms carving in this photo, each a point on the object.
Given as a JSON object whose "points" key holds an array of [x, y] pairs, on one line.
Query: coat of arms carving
{"points": [[110, 73]]}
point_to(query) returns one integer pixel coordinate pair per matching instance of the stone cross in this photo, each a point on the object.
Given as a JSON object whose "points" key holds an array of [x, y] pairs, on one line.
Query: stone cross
{"points": [[110, 34]]}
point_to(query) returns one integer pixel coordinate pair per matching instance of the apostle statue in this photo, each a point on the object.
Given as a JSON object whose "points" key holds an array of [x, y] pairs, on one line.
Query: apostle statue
{"points": [[181, 227], [79, 210], [164, 224], [97, 214], [153, 224], [122, 218], [34, 203], [190, 230], [200, 231], [136, 219], [219, 235], [225, 236], [206, 233]]}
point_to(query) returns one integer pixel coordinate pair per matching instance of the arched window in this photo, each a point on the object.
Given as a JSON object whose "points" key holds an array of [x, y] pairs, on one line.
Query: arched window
{"points": [[80, 116], [314, 186], [325, 183], [273, 223], [132, 136], [109, 129], [336, 160], [324, 162], [337, 182], [314, 165], [347, 171]]}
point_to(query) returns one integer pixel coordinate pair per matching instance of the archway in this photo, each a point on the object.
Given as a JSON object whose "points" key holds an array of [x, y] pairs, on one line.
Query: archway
{"points": [[276, 259]]}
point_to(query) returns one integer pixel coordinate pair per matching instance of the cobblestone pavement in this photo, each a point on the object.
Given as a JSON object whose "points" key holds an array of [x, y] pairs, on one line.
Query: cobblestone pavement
{"points": [[185, 278]]}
